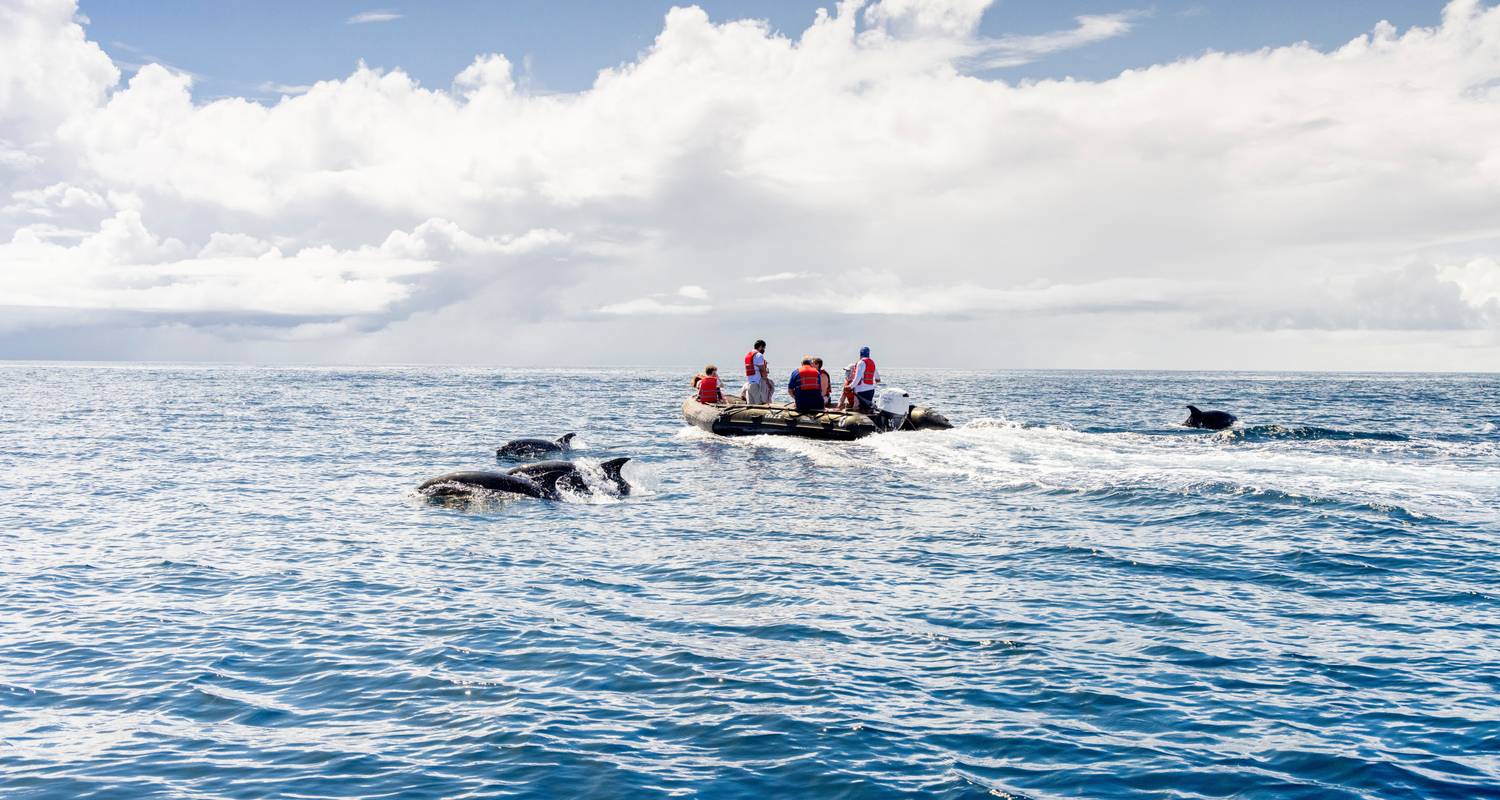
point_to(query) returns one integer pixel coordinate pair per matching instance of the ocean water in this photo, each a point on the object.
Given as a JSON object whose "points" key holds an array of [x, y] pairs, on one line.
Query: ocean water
{"points": [[217, 582]]}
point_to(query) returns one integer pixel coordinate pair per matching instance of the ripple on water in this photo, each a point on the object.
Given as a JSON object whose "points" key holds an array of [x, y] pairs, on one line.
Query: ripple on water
{"points": [[220, 584]]}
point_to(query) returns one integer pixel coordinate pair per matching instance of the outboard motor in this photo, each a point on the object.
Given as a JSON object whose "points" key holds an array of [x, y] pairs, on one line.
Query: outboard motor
{"points": [[892, 406]]}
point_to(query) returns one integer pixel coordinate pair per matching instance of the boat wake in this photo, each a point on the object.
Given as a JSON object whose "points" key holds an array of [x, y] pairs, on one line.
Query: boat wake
{"points": [[1265, 433], [1271, 465]]}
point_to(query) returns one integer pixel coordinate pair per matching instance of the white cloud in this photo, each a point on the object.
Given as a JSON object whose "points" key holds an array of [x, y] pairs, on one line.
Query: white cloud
{"points": [[49, 201], [123, 266], [780, 276], [652, 306], [1330, 206], [1478, 282], [379, 15], [922, 18], [1012, 51], [271, 87]]}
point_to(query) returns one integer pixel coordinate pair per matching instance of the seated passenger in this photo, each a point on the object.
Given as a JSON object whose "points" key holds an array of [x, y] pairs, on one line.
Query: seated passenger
{"points": [[847, 399], [707, 384], [826, 385], [805, 387]]}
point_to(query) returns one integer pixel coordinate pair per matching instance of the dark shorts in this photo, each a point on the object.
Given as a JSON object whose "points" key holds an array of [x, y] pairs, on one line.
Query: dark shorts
{"points": [[866, 400]]}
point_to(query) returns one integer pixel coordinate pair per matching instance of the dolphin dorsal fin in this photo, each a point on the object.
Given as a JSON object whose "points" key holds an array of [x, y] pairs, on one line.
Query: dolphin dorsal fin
{"points": [[613, 466], [565, 439]]}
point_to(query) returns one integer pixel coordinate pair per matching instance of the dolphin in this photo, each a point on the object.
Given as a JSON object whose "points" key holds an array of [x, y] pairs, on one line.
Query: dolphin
{"points": [[463, 484], [527, 448], [564, 475], [544, 480], [1213, 420]]}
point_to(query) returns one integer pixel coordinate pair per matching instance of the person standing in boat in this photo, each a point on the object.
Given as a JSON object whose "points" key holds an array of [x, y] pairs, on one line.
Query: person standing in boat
{"points": [[707, 384], [757, 375], [806, 387], [864, 380], [827, 387]]}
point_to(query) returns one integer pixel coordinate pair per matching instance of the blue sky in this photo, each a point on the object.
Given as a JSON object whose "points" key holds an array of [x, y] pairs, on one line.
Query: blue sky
{"points": [[236, 47]]}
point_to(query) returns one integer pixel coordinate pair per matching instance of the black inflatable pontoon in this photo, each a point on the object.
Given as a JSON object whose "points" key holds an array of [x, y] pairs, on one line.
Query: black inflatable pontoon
{"points": [[739, 419]]}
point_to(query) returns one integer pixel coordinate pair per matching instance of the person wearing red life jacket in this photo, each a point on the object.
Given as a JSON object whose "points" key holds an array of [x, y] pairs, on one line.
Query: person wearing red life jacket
{"points": [[847, 398], [862, 383], [757, 375], [707, 384], [806, 387]]}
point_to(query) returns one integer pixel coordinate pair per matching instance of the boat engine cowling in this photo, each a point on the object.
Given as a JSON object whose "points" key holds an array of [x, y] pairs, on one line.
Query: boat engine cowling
{"points": [[895, 411], [895, 402], [891, 408]]}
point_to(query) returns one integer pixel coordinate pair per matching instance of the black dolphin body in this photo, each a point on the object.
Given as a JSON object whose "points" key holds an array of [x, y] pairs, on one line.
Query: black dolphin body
{"points": [[1212, 420], [463, 484], [531, 448], [544, 480], [565, 476]]}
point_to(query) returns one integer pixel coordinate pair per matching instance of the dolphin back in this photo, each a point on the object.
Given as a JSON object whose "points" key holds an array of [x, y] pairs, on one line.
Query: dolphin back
{"points": [[1213, 420], [461, 483], [523, 448]]}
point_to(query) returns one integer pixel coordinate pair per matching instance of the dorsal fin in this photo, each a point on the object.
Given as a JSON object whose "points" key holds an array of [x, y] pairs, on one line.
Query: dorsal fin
{"points": [[613, 466]]}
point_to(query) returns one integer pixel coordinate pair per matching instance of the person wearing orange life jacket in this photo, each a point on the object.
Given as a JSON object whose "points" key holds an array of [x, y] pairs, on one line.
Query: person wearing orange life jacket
{"points": [[707, 384], [862, 383], [806, 387], [757, 375]]}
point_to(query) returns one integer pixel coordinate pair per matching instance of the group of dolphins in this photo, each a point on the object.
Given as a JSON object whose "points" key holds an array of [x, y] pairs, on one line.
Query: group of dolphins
{"points": [[548, 480], [545, 480]]}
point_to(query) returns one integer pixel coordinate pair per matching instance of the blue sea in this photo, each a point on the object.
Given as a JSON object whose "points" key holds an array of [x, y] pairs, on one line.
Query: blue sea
{"points": [[219, 582]]}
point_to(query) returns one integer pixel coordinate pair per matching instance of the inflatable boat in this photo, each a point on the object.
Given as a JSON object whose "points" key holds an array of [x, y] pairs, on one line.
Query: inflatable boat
{"points": [[893, 412]]}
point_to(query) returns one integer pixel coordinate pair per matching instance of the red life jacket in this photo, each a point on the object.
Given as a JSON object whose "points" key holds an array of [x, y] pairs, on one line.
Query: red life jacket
{"points": [[808, 379], [708, 389], [869, 379], [750, 364]]}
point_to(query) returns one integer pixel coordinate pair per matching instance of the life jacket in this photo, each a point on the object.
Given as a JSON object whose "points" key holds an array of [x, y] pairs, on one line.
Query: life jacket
{"points": [[823, 373], [708, 389], [869, 378], [750, 370], [808, 379]]}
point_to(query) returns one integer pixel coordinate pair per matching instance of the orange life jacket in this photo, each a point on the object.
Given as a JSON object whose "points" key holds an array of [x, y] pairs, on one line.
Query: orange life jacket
{"points": [[708, 389], [869, 379], [808, 379], [750, 364]]}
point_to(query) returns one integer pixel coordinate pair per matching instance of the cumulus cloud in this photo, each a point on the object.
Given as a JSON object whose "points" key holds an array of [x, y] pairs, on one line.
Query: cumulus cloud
{"points": [[864, 176]]}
